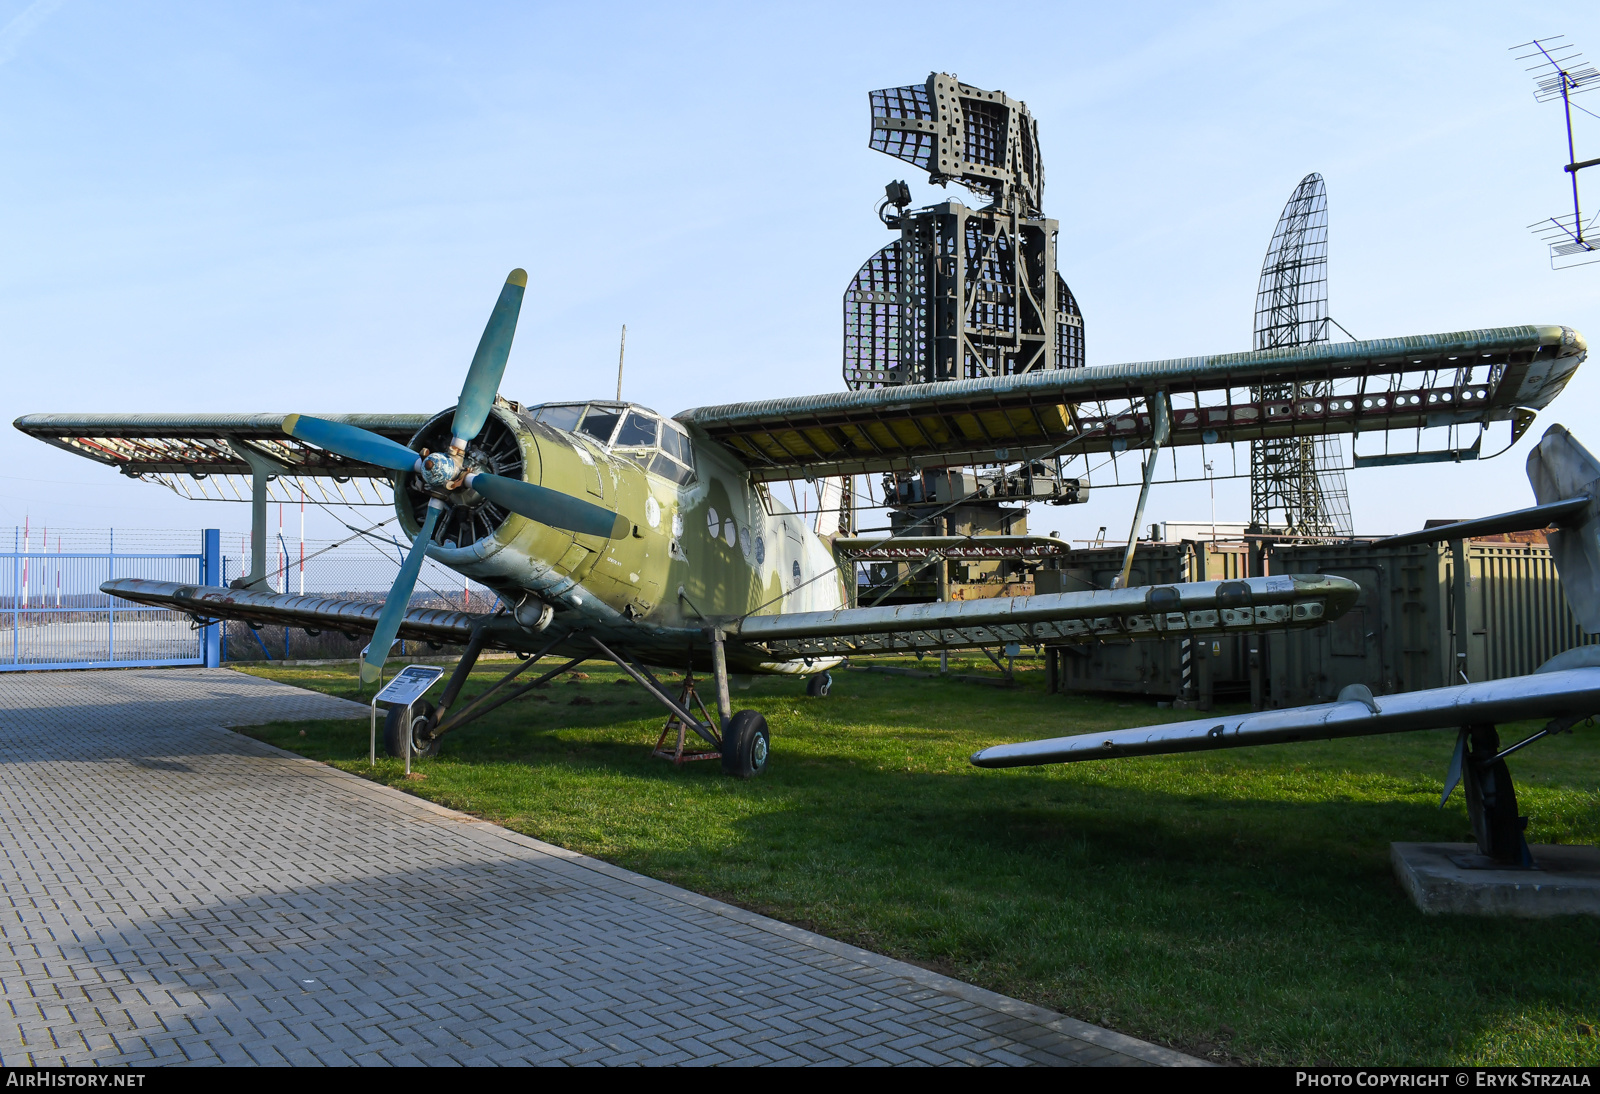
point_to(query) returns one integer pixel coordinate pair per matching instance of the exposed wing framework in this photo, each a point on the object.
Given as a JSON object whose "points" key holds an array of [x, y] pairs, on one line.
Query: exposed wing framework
{"points": [[1466, 378], [189, 452]]}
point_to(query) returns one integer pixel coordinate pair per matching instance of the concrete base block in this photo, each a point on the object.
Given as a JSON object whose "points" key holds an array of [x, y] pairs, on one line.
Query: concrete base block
{"points": [[1441, 880]]}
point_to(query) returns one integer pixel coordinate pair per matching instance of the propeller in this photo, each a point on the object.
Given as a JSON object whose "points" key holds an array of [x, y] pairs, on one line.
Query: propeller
{"points": [[446, 472], [352, 442], [549, 506], [398, 602], [489, 363]]}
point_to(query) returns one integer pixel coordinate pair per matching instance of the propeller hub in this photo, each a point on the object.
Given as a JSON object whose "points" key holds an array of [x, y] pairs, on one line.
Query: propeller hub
{"points": [[438, 470]]}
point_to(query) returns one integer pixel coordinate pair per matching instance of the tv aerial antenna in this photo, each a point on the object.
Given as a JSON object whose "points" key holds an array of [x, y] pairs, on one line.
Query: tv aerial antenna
{"points": [[1560, 72]]}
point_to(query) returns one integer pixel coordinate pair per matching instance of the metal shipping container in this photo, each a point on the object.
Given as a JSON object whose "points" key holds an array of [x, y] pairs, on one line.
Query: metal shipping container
{"points": [[1402, 634], [1163, 668]]}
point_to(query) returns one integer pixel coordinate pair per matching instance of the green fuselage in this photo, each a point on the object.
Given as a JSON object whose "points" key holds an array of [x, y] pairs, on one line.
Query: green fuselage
{"points": [[707, 546]]}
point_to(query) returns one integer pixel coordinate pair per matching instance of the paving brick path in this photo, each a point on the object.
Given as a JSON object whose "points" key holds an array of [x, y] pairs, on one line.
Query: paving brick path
{"points": [[178, 893]]}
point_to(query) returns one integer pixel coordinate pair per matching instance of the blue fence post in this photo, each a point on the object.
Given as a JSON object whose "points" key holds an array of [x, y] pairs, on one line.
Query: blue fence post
{"points": [[222, 628], [211, 574], [16, 601], [111, 601]]}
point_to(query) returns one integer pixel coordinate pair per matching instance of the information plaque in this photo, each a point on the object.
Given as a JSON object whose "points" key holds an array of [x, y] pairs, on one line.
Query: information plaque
{"points": [[409, 685]]}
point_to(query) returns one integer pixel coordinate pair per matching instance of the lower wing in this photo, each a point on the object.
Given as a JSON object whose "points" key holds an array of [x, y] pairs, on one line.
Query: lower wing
{"points": [[1166, 611], [315, 613]]}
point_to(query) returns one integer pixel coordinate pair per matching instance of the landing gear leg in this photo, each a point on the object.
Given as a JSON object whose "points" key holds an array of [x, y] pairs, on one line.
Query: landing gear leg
{"points": [[463, 669], [746, 742], [719, 668], [1492, 801]]}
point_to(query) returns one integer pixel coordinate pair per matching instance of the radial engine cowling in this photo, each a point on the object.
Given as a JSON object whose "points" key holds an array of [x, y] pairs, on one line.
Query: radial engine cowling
{"points": [[504, 447]]}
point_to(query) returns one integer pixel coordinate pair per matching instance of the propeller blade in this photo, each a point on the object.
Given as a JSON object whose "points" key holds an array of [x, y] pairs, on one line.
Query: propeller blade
{"points": [[399, 598], [351, 441], [550, 507], [489, 363]]}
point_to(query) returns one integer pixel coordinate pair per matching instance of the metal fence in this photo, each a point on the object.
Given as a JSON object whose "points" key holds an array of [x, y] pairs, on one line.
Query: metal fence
{"points": [[50, 593], [360, 568]]}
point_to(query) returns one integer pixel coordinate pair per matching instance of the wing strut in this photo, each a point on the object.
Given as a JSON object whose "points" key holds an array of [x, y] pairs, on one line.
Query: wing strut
{"points": [[1161, 426]]}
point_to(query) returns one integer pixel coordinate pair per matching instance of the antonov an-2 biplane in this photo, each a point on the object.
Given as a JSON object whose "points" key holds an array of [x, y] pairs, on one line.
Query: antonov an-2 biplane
{"points": [[610, 532]]}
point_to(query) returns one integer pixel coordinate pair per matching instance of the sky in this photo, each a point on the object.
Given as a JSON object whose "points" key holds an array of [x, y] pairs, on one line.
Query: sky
{"points": [[234, 207]]}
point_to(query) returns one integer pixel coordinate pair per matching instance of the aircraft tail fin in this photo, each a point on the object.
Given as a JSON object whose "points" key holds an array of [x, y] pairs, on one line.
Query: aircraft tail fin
{"points": [[1560, 468]]}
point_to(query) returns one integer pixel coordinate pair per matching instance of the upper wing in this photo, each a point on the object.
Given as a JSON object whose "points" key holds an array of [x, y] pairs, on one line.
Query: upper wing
{"points": [[1542, 695], [352, 617], [1200, 607], [1466, 377], [208, 444]]}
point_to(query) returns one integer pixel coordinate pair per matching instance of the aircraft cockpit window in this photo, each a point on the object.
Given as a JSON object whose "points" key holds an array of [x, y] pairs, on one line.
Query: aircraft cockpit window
{"points": [[638, 431], [600, 423], [563, 416], [670, 469]]}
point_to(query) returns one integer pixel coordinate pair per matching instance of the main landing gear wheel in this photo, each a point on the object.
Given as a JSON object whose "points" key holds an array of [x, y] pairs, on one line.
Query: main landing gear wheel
{"points": [[746, 745], [819, 685], [395, 731]]}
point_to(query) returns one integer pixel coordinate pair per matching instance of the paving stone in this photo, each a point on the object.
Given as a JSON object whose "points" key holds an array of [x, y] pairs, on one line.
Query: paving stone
{"points": [[171, 891]]}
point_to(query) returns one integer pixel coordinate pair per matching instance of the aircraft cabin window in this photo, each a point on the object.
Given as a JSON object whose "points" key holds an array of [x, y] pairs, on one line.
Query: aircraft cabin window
{"points": [[675, 444], [562, 417], [599, 423], [638, 431]]}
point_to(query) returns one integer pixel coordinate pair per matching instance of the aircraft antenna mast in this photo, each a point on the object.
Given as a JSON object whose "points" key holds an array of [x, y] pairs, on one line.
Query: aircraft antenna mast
{"points": [[1560, 72], [1301, 478], [622, 349]]}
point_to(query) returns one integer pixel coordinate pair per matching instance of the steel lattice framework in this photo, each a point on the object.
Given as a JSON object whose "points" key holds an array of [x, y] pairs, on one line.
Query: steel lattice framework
{"points": [[1301, 478], [963, 293]]}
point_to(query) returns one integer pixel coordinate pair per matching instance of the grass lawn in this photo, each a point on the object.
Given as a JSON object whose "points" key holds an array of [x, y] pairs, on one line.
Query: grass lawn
{"points": [[1238, 904]]}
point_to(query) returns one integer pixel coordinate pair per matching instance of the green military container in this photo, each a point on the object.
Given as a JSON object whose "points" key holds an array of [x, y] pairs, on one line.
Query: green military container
{"points": [[1402, 634], [1416, 625], [1166, 669]]}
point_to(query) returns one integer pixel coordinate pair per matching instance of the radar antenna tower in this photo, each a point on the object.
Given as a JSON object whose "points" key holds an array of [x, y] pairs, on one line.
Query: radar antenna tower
{"points": [[1560, 72], [1300, 477], [962, 293]]}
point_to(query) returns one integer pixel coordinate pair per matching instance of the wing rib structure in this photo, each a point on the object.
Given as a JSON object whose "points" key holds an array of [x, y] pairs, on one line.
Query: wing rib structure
{"points": [[1464, 378]]}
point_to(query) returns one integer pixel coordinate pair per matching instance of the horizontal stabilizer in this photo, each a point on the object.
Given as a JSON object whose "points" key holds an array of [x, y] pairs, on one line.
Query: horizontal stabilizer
{"points": [[319, 613], [1164, 611], [1518, 520], [1544, 695]]}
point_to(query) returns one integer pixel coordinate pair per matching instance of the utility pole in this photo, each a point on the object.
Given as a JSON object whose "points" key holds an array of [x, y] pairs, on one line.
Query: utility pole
{"points": [[1211, 476]]}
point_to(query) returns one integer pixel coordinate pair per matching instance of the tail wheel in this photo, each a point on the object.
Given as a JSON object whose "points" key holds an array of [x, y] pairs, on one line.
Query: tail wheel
{"points": [[396, 729], [746, 745], [819, 685]]}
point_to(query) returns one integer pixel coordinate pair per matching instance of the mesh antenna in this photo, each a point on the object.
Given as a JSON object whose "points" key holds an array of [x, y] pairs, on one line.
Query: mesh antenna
{"points": [[1560, 72], [963, 293], [985, 140], [1300, 477]]}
